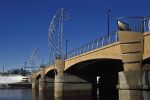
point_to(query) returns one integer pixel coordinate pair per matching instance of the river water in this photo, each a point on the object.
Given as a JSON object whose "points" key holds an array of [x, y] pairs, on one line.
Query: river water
{"points": [[32, 94], [23, 94]]}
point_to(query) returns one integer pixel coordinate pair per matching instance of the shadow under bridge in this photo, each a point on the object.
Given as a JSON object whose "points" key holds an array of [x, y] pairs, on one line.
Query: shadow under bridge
{"points": [[102, 74]]}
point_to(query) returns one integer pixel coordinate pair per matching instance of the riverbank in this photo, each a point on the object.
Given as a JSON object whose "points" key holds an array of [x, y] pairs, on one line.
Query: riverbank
{"points": [[16, 86]]}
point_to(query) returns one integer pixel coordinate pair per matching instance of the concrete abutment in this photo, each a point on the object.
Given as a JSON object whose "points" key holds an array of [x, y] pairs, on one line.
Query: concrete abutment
{"points": [[134, 82], [134, 85]]}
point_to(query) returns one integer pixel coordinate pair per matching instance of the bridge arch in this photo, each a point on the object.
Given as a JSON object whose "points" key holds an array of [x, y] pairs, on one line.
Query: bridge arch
{"points": [[38, 76], [106, 69], [50, 73], [111, 51]]}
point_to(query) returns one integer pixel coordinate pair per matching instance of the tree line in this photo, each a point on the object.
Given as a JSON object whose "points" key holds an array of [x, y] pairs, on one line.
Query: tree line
{"points": [[16, 72]]}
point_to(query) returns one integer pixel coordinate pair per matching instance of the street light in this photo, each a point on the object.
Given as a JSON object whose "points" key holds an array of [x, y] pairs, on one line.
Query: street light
{"points": [[108, 26], [108, 15], [67, 47]]}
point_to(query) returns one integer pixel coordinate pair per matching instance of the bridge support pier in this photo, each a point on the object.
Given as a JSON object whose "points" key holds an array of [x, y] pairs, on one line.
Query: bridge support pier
{"points": [[34, 84], [69, 86], [59, 79], [134, 85], [34, 81], [42, 84], [42, 79]]}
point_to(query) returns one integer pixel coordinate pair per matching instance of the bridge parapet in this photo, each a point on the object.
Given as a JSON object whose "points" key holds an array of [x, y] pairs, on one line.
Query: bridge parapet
{"points": [[133, 24], [111, 51], [131, 49], [48, 68], [98, 43], [146, 54]]}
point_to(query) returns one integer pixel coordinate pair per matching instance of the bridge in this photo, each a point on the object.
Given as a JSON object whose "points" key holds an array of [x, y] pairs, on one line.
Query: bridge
{"points": [[116, 66]]}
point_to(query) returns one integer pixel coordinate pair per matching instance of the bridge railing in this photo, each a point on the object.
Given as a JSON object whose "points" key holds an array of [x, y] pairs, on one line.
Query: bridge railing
{"points": [[98, 43], [134, 24], [146, 24]]}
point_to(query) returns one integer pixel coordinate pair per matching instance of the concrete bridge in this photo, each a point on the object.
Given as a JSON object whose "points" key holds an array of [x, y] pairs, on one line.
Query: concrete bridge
{"points": [[128, 55], [110, 51]]}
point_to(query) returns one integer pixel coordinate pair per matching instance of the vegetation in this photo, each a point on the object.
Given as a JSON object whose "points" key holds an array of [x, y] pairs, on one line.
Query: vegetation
{"points": [[18, 71]]}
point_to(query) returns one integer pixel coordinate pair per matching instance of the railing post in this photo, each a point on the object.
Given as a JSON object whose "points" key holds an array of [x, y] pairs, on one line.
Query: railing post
{"points": [[92, 45], [83, 49], [109, 39], [116, 36], [97, 43], [80, 50], [103, 41], [72, 53], [88, 47], [76, 51]]}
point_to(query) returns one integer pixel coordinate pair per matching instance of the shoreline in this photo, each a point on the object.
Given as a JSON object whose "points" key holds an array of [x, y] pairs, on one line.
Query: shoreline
{"points": [[16, 86]]}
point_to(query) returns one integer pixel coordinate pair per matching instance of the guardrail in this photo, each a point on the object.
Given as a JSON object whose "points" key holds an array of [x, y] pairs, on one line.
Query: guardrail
{"points": [[98, 43], [134, 24]]}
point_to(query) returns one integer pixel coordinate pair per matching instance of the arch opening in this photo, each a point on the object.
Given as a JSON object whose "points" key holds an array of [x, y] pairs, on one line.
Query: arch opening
{"points": [[38, 77], [50, 74], [102, 74]]}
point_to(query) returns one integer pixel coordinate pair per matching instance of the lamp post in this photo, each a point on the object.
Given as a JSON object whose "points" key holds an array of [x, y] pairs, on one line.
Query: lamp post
{"points": [[108, 15], [108, 26], [66, 47]]}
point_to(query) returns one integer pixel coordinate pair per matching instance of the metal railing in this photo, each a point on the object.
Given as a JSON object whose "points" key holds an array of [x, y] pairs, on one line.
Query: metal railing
{"points": [[134, 24], [146, 24], [98, 43]]}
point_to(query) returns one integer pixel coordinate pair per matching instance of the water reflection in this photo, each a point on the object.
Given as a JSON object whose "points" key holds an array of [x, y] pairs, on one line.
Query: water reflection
{"points": [[41, 95], [33, 94], [49, 95], [15, 94]]}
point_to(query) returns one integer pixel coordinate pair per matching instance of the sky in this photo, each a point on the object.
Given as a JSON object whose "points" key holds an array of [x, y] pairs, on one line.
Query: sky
{"points": [[24, 25]]}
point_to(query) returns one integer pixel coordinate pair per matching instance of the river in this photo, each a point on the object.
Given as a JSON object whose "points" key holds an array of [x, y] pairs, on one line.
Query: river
{"points": [[32, 94], [23, 94]]}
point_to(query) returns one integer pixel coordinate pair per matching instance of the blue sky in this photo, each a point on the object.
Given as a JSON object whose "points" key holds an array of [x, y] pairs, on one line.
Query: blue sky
{"points": [[24, 24]]}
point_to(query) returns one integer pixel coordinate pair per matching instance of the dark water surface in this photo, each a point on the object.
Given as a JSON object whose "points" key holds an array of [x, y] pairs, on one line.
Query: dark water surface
{"points": [[32, 94], [23, 94]]}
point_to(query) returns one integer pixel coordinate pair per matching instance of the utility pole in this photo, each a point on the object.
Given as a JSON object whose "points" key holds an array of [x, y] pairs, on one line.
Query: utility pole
{"points": [[3, 70], [25, 64], [42, 61]]}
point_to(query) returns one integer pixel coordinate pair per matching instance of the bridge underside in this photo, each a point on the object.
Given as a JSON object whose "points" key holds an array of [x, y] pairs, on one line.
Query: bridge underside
{"points": [[38, 77], [146, 61], [50, 74], [106, 69]]}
